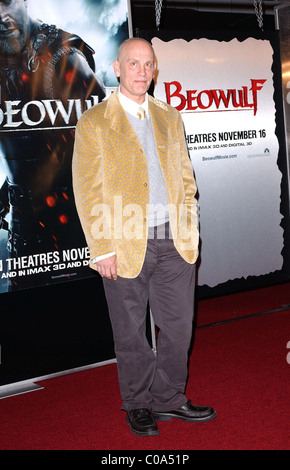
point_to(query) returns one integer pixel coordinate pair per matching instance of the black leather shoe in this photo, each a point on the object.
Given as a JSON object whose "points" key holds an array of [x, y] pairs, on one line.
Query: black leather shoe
{"points": [[187, 412], [142, 423]]}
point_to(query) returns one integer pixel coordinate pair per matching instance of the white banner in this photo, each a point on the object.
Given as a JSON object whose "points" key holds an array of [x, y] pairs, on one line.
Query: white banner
{"points": [[224, 91]]}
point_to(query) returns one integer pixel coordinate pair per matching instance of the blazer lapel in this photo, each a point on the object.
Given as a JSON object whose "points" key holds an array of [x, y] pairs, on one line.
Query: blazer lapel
{"points": [[120, 124], [119, 121], [160, 128]]}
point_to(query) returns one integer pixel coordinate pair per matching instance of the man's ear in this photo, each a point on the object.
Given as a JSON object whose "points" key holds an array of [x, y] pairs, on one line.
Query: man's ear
{"points": [[116, 67]]}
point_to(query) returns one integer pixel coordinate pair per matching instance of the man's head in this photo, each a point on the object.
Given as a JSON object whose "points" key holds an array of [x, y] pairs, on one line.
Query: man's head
{"points": [[14, 26], [135, 67]]}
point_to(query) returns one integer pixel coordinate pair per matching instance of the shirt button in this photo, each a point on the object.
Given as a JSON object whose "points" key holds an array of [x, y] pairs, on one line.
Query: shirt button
{"points": [[145, 184]]}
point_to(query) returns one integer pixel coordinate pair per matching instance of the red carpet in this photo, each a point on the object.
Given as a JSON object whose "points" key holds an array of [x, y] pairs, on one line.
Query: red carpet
{"points": [[243, 304], [238, 367]]}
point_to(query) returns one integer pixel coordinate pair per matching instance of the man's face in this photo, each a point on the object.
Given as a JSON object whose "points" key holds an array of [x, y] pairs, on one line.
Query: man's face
{"points": [[13, 26], [135, 67]]}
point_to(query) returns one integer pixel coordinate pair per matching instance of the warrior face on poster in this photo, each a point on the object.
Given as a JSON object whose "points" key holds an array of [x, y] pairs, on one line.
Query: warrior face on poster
{"points": [[47, 79]]}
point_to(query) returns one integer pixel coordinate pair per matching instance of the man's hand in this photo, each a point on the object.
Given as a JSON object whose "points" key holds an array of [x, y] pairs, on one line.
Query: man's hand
{"points": [[108, 267]]}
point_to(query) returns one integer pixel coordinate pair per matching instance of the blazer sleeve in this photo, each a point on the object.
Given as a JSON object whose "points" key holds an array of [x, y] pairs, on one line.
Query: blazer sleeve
{"points": [[87, 172]]}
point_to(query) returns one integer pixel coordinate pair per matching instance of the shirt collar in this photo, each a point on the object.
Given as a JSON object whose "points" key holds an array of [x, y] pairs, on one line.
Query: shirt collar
{"points": [[131, 106]]}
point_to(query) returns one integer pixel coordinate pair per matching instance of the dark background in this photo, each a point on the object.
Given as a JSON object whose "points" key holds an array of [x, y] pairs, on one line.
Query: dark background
{"points": [[220, 15]]}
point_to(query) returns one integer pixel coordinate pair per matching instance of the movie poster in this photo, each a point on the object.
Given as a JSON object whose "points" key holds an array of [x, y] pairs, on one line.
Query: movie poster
{"points": [[56, 61], [224, 91]]}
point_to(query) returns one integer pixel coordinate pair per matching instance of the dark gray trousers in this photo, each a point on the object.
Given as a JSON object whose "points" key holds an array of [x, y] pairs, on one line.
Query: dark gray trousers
{"points": [[168, 282]]}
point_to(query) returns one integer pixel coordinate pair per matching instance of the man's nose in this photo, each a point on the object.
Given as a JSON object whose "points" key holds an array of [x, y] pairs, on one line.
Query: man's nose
{"points": [[142, 70]]}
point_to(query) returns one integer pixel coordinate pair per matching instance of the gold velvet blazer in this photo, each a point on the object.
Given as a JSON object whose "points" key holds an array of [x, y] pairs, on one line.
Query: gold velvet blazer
{"points": [[110, 180]]}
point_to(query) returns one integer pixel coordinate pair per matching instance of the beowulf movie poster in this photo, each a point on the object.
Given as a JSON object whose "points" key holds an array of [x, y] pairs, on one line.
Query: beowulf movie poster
{"points": [[224, 91], [55, 63]]}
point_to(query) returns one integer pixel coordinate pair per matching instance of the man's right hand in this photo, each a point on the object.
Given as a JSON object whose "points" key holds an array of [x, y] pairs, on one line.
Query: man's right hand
{"points": [[108, 267]]}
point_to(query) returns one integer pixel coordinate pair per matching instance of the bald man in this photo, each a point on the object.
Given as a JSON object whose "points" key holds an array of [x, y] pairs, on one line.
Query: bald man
{"points": [[135, 194]]}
